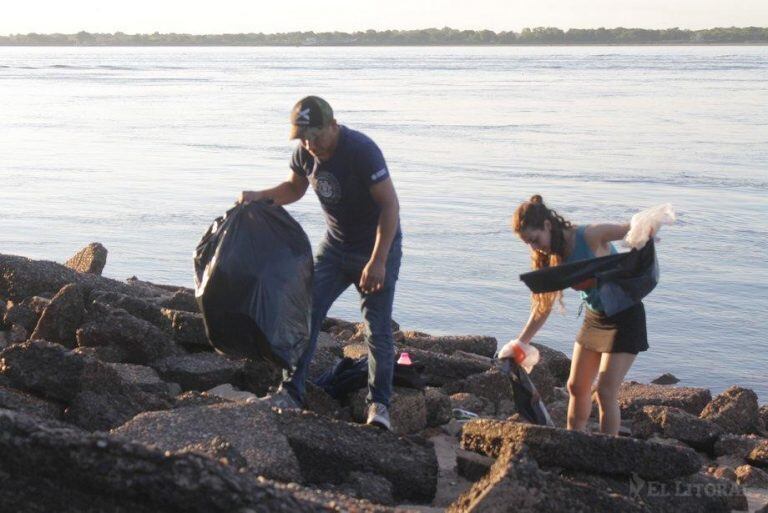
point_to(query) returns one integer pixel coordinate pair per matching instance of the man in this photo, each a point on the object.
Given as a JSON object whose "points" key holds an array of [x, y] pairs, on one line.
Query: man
{"points": [[362, 245]]}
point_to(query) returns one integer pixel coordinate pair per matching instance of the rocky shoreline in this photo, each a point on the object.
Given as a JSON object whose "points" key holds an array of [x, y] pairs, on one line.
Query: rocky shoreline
{"points": [[111, 400]]}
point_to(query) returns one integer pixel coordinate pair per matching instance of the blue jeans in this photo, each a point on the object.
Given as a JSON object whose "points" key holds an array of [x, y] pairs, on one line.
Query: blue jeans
{"points": [[335, 271]]}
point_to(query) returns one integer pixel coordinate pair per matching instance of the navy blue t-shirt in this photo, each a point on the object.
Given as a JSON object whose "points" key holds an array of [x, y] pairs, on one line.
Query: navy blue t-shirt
{"points": [[342, 184]]}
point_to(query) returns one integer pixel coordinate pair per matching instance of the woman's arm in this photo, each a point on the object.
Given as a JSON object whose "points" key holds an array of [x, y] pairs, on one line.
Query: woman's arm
{"points": [[599, 235], [535, 321]]}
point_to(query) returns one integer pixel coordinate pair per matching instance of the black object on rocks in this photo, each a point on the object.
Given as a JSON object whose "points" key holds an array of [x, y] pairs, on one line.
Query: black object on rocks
{"points": [[253, 278], [623, 280], [527, 399]]}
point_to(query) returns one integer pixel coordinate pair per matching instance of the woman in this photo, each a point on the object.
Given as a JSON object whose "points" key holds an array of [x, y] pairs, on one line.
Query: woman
{"points": [[606, 346]]}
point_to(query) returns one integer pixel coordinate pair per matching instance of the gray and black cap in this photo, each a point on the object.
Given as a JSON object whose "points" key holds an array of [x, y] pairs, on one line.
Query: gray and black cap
{"points": [[309, 113]]}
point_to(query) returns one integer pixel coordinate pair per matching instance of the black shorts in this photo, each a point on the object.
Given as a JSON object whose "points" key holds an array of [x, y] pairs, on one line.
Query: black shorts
{"points": [[624, 332]]}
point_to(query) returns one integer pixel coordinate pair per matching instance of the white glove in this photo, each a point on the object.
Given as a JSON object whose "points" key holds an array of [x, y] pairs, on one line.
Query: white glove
{"points": [[525, 355], [646, 224]]}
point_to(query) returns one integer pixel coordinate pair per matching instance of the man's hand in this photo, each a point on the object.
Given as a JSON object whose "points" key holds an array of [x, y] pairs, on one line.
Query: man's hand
{"points": [[372, 278], [249, 196]]}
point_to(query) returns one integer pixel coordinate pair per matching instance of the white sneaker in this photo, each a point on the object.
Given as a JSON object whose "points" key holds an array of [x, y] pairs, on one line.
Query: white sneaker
{"points": [[378, 415]]}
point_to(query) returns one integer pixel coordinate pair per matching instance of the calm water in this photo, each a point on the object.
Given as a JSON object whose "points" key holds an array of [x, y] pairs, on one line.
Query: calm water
{"points": [[141, 148]]}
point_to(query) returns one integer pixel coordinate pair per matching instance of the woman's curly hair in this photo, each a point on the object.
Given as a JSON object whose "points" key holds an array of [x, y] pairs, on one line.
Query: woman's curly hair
{"points": [[532, 214]]}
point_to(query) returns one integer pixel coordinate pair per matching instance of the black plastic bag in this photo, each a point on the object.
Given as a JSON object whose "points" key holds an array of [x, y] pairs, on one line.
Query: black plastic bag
{"points": [[348, 376], [622, 280], [527, 399], [253, 284]]}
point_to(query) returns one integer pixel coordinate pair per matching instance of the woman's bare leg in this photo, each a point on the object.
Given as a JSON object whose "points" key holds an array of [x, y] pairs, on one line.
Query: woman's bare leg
{"points": [[584, 366], [613, 368]]}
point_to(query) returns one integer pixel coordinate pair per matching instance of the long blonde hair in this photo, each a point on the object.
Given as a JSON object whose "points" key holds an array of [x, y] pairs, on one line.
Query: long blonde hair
{"points": [[531, 215]]}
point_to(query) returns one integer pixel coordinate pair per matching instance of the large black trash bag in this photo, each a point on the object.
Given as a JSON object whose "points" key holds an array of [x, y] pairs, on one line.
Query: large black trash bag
{"points": [[622, 280], [527, 399], [253, 283]]}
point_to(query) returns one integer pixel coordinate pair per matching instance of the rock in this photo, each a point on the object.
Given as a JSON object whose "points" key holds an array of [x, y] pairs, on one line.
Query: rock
{"points": [[53, 468], [471, 403], [725, 473], [20, 314], [258, 376], [135, 339], [44, 368], [764, 509], [735, 410], [675, 423], [3, 310], [558, 412], [16, 400], [183, 300], [747, 475], [17, 335], [492, 385], [329, 450], [442, 369], [61, 318], [556, 362], [665, 379], [691, 494], [515, 484], [484, 346], [365, 485], [318, 401], [580, 451], [230, 393], [90, 259], [22, 277], [472, 466], [438, 407], [759, 455], [407, 409], [199, 371], [143, 308], [250, 428], [192, 399], [186, 329], [633, 396], [219, 449], [737, 445], [106, 399], [145, 379]]}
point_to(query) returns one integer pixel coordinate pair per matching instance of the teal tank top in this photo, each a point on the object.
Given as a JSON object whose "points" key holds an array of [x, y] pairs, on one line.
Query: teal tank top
{"points": [[581, 251]]}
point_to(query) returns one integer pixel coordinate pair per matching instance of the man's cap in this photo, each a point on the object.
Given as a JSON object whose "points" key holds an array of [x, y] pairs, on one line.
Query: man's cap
{"points": [[310, 112]]}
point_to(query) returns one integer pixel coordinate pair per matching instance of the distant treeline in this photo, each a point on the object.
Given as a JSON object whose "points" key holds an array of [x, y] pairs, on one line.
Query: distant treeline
{"points": [[431, 36]]}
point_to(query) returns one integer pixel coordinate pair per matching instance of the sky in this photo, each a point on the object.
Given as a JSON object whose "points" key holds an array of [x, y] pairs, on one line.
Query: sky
{"points": [[229, 16]]}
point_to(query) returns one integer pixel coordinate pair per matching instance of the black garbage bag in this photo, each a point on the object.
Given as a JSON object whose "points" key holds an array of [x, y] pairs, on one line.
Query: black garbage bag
{"points": [[527, 399], [348, 376], [253, 284], [622, 280]]}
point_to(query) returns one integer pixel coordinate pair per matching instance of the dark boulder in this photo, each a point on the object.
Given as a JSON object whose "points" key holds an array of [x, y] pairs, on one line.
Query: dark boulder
{"points": [[61, 318], [22, 278], [90, 259], [200, 371], [328, 451], [11, 399], [736, 411], [575, 450], [438, 407], [516, 484], [53, 468], [136, 339], [633, 396], [250, 428], [485, 346], [186, 328], [675, 423]]}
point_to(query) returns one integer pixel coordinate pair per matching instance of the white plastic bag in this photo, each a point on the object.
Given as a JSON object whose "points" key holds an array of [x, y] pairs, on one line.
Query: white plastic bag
{"points": [[525, 355], [647, 223]]}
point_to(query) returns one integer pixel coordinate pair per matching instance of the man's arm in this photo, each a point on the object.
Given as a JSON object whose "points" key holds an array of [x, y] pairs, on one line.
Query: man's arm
{"points": [[374, 273], [291, 190]]}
